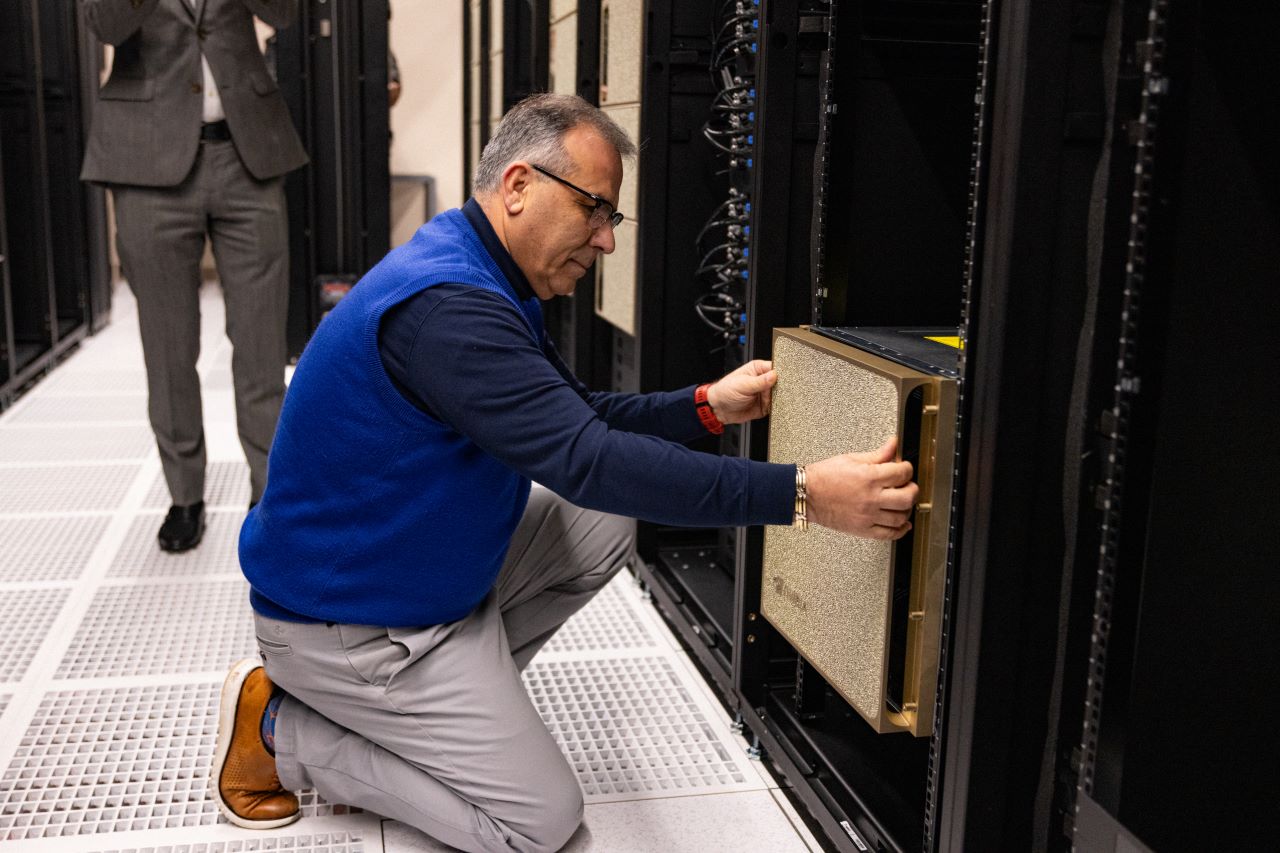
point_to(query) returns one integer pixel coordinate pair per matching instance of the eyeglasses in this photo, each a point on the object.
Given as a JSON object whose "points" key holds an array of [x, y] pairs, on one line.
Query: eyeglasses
{"points": [[601, 212]]}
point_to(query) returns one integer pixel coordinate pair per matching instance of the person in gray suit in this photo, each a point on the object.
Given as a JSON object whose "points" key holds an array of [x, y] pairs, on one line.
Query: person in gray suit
{"points": [[193, 138]]}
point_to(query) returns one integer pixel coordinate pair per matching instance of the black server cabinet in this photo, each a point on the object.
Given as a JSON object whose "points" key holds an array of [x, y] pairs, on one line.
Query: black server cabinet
{"points": [[6, 292], [26, 179], [697, 66], [524, 49], [1052, 112], [96, 215], [504, 60], [57, 285], [680, 187], [870, 106], [1082, 190], [1182, 597], [332, 70], [583, 339]]}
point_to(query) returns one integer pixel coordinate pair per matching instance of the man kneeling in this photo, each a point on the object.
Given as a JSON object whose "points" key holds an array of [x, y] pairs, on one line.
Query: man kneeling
{"points": [[404, 571]]}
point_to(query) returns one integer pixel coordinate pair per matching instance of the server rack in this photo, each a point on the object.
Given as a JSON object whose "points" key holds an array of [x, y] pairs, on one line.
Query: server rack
{"points": [[332, 71], [1049, 123], [632, 324], [882, 241], [6, 297], [695, 576], [56, 286], [1080, 259], [1178, 620], [583, 338], [96, 248], [475, 91], [1071, 186], [505, 58]]}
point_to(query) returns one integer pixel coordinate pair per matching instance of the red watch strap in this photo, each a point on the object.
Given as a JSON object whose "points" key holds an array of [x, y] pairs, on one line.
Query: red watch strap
{"points": [[705, 413]]}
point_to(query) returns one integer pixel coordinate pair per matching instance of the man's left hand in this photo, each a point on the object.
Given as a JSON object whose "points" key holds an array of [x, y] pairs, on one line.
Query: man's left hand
{"points": [[745, 394]]}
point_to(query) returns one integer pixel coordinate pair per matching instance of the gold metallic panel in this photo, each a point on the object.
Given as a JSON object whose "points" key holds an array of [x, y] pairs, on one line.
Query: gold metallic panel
{"points": [[831, 595], [621, 67], [495, 90], [563, 47], [495, 25], [473, 9], [616, 279], [628, 118], [621, 51]]}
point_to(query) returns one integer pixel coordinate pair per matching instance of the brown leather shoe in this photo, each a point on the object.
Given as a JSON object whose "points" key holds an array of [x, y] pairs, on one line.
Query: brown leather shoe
{"points": [[244, 780]]}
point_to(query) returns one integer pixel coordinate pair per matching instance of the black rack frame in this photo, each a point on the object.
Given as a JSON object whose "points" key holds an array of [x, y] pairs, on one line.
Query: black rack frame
{"points": [[55, 286], [691, 573], [1176, 635], [585, 341], [1047, 297], [332, 71]]}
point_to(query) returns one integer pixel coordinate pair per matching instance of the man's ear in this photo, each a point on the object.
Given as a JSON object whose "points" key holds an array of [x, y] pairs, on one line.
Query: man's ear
{"points": [[516, 180]]}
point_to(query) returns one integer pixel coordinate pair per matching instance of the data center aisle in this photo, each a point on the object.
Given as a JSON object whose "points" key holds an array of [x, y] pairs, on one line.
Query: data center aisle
{"points": [[112, 654]]}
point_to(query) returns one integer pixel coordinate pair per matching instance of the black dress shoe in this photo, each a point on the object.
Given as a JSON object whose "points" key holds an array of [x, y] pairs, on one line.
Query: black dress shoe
{"points": [[182, 528]]}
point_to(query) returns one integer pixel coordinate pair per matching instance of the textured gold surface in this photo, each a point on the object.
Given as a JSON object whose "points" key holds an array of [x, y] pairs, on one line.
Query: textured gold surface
{"points": [[623, 56], [622, 71], [563, 47], [616, 278], [827, 592]]}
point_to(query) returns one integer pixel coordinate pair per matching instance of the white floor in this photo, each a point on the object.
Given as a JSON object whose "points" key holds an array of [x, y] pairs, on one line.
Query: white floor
{"points": [[112, 653]]}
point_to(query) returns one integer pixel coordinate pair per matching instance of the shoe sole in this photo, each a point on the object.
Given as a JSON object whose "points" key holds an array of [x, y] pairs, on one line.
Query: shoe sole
{"points": [[227, 708]]}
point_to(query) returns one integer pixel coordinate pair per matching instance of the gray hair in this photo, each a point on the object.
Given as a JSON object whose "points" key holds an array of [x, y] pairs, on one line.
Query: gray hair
{"points": [[534, 130]]}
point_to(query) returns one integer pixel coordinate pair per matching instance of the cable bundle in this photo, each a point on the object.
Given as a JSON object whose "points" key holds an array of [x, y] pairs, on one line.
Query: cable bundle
{"points": [[724, 240]]}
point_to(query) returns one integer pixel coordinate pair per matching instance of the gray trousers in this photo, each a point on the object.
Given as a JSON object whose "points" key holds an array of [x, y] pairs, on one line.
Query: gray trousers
{"points": [[160, 236], [432, 726]]}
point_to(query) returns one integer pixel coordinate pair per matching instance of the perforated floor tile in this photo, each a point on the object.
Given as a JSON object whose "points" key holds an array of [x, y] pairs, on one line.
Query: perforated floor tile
{"points": [[47, 549], [80, 381], [27, 444], [628, 726], [65, 489], [98, 408], [607, 622], [140, 555], [225, 484], [218, 378], [115, 760], [26, 616], [219, 406], [314, 842], [162, 628]]}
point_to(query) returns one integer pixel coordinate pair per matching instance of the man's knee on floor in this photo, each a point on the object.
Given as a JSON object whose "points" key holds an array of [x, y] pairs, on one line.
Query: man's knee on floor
{"points": [[558, 817]]}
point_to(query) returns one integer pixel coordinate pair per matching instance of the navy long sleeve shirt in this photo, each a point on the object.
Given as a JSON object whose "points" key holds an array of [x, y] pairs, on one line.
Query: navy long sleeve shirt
{"points": [[461, 355]]}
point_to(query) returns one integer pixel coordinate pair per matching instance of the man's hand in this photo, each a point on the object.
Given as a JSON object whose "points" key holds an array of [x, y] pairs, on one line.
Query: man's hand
{"points": [[866, 494], [745, 394]]}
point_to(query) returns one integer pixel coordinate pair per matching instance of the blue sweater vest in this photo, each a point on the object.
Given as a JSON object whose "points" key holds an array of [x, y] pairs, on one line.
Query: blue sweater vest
{"points": [[375, 512]]}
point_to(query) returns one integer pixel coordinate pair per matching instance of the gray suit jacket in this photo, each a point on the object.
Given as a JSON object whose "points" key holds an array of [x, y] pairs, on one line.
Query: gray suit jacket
{"points": [[146, 124]]}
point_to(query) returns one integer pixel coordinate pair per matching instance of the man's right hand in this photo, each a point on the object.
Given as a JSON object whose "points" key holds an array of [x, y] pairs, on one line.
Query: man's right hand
{"points": [[865, 494]]}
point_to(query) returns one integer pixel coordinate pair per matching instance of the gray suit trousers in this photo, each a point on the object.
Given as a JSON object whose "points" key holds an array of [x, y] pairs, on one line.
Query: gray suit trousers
{"points": [[160, 235], [432, 726]]}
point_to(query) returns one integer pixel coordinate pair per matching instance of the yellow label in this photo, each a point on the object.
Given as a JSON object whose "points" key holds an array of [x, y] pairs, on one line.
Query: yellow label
{"points": [[951, 342]]}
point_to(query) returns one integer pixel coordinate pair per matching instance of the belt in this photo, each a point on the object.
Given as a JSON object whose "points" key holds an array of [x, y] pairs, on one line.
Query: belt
{"points": [[216, 130]]}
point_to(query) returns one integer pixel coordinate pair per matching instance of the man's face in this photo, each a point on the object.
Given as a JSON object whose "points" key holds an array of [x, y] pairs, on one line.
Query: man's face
{"points": [[552, 240]]}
